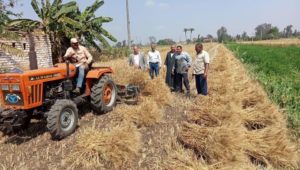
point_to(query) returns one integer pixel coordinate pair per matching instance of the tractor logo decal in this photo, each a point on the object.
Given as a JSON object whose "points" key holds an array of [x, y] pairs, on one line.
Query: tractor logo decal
{"points": [[33, 78], [12, 98]]}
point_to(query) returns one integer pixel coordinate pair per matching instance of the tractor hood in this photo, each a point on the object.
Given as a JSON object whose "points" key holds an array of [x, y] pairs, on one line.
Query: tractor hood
{"points": [[57, 72]]}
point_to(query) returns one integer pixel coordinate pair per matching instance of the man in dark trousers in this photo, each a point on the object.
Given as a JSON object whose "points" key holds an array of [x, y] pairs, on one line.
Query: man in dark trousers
{"points": [[169, 64], [183, 62], [200, 68]]}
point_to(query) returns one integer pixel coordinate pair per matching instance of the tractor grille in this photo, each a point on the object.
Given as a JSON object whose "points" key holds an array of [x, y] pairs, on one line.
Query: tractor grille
{"points": [[36, 94]]}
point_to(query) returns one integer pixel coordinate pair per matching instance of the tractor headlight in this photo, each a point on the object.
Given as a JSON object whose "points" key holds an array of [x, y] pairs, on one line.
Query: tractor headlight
{"points": [[4, 87], [15, 87]]}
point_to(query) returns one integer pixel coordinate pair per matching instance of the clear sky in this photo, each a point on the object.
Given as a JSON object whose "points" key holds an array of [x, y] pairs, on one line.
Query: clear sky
{"points": [[168, 18]]}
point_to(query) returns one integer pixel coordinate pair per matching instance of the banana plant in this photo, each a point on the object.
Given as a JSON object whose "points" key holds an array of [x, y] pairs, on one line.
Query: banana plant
{"points": [[89, 27]]}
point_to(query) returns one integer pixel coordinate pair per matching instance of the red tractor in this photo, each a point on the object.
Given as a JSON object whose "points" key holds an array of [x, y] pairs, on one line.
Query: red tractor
{"points": [[47, 93]]}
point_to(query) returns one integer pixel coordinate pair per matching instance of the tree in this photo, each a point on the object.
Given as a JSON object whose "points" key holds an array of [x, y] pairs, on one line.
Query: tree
{"points": [[209, 36], [191, 30], [288, 31], [185, 30], [238, 37], [166, 42], [152, 40], [222, 34], [64, 21], [266, 31], [89, 27], [296, 33], [245, 36], [273, 33], [5, 16]]}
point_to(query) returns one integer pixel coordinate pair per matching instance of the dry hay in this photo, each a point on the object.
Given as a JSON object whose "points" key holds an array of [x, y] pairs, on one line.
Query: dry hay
{"points": [[147, 113], [237, 126], [112, 148], [213, 144], [124, 74], [181, 158], [271, 147], [159, 91]]}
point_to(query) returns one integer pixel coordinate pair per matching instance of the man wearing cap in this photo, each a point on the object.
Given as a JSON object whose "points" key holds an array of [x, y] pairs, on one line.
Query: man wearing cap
{"points": [[81, 58], [183, 62]]}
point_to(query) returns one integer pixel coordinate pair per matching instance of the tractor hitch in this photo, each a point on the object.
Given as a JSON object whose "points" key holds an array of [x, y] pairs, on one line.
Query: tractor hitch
{"points": [[128, 94]]}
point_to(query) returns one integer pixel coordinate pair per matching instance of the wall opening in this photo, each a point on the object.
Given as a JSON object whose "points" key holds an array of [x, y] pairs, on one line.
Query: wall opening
{"points": [[24, 46]]}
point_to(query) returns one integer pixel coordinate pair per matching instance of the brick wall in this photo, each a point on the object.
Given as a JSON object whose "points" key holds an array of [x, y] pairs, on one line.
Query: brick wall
{"points": [[42, 48]]}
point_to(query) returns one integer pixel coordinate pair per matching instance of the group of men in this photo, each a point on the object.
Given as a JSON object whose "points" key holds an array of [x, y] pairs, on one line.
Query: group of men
{"points": [[177, 64]]}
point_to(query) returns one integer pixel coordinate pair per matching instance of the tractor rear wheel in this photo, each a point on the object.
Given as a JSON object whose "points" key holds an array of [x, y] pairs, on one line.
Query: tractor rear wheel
{"points": [[104, 95], [62, 119]]}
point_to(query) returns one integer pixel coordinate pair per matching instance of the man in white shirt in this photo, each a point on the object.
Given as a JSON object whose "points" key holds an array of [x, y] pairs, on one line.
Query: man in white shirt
{"points": [[137, 59], [154, 61], [200, 68]]}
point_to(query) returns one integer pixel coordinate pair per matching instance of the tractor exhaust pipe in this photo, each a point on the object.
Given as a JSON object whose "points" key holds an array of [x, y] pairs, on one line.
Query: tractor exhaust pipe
{"points": [[68, 86], [68, 69]]}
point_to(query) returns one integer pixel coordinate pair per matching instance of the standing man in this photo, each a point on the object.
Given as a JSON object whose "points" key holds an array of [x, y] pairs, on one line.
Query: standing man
{"points": [[81, 58], [154, 61], [183, 63], [137, 59], [200, 68], [169, 64]]}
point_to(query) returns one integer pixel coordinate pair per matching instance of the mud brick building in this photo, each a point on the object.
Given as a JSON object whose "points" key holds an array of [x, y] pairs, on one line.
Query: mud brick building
{"points": [[35, 45]]}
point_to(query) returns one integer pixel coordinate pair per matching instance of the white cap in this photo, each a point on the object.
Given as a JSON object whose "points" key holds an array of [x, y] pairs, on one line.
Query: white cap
{"points": [[74, 40]]}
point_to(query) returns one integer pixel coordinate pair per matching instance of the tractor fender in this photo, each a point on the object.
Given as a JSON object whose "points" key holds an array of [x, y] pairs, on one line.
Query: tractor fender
{"points": [[96, 73]]}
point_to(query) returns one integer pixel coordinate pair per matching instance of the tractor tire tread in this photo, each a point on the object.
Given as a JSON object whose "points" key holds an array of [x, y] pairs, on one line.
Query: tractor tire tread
{"points": [[53, 115]]}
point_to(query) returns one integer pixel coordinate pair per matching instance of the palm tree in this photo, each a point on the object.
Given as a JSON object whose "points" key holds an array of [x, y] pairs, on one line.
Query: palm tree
{"points": [[191, 30], [185, 30]]}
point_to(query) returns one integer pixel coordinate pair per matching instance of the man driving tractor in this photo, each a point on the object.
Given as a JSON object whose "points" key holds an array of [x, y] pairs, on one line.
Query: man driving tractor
{"points": [[81, 58]]}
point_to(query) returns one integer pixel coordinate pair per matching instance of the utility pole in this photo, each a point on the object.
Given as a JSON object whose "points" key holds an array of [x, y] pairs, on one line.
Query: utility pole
{"points": [[128, 24]]}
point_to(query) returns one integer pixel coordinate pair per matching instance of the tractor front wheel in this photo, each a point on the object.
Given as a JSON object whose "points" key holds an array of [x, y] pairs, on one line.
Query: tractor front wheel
{"points": [[104, 95], [62, 119]]}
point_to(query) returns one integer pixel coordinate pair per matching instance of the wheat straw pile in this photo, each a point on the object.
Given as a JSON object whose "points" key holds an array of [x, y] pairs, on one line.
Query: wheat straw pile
{"points": [[237, 126], [110, 148]]}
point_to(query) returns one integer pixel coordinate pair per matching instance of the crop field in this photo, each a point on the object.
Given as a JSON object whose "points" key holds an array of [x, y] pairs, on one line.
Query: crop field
{"points": [[278, 70], [279, 42], [236, 126]]}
